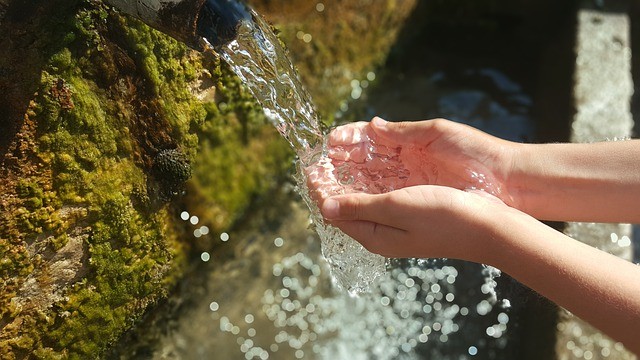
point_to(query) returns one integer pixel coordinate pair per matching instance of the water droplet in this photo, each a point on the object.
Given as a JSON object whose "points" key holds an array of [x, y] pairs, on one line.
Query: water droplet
{"points": [[213, 306], [503, 318], [491, 331], [473, 350], [624, 241], [224, 236], [278, 242], [614, 237], [205, 256]]}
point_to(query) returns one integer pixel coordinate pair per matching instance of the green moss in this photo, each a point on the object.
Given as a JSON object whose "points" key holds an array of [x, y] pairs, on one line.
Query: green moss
{"points": [[98, 86], [133, 256], [170, 68], [241, 155]]}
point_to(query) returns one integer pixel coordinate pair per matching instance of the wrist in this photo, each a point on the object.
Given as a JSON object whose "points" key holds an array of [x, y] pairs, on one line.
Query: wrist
{"points": [[518, 162], [489, 223]]}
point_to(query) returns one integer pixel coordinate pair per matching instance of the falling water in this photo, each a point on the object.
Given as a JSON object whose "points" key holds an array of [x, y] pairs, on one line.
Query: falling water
{"points": [[258, 59]]}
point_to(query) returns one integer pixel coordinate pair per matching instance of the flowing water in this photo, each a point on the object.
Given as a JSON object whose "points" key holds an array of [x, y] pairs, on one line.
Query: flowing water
{"points": [[257, 57]]}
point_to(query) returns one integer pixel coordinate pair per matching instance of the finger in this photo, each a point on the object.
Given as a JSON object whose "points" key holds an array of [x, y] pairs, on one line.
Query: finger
{"points": [[355, 153], [376, 238], [349, 134], [364, 207], [321, 181], [413, 132]]}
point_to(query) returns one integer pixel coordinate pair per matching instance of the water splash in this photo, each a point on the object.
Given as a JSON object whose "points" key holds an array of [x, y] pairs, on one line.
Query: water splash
{"points": [[412, 311], [256, 57]]}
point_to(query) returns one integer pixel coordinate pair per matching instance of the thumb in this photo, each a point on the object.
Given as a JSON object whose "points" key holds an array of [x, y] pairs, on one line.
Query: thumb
{"points": [[412, 132], [362, 207]]}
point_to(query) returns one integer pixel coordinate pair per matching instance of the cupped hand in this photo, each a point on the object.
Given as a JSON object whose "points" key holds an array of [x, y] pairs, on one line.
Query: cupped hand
{"points": [[433, 152], [419, 221]]}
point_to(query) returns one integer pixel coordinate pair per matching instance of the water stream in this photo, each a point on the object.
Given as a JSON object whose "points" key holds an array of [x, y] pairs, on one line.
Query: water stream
{"points": [[256, 56]]}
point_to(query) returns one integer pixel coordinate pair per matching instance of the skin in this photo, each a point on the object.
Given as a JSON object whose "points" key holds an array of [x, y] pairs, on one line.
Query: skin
{"points": [[433, 215]]}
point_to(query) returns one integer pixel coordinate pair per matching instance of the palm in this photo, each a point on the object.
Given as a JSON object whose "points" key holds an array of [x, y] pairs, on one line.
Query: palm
{"points": [[449, 154]]}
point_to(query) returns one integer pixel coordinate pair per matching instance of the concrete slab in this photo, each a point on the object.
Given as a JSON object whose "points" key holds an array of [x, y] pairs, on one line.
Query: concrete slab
{"points": [[603, 82], [602, 97]]}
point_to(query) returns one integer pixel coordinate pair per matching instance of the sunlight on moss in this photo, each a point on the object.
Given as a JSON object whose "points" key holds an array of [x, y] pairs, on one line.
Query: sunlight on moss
{"points": [[96, 178]]}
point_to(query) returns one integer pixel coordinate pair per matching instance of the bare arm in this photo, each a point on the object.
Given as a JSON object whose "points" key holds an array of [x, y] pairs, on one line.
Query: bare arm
{"points": [[435, 221], [600, 288], [597, 182]]}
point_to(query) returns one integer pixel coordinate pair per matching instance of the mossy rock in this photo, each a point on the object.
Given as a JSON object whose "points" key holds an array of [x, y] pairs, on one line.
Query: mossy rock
{"points": [[110, 130]]}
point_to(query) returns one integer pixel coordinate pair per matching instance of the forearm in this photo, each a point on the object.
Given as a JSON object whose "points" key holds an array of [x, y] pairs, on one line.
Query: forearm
{"points": [[597, 287], [597, 182]]}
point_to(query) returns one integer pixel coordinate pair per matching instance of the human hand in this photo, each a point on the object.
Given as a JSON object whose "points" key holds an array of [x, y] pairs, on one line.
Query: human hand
{"points": [[431, 152], [420, 221]]}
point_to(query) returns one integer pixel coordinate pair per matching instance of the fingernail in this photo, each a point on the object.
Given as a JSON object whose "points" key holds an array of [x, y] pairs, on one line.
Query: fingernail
{"points": [[379, 122], [330, 209]]}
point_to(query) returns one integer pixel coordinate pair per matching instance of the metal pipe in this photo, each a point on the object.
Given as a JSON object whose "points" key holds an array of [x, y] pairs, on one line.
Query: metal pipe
{"points": [[189, 20]]}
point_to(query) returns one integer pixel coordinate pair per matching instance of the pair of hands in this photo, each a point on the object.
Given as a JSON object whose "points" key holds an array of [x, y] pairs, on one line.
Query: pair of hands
{"points": [[442, 189], [453, 183]]}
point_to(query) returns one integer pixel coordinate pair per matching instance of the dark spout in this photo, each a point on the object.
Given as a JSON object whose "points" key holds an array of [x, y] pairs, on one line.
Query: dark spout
{"points": [[219, 20], [189, 20]]}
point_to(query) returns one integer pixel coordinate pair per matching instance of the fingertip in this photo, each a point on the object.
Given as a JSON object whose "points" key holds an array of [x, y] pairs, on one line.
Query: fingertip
{"points": [[330, 209], [379, 122], [384, 128], [337, 136], [348, 134]]}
